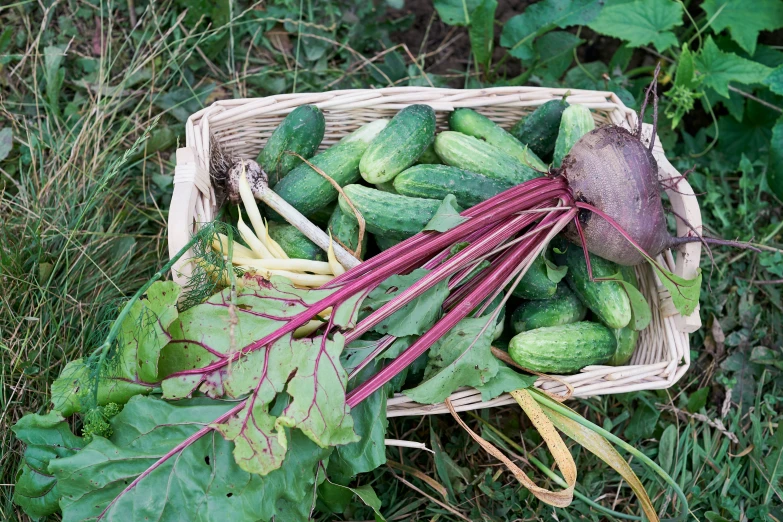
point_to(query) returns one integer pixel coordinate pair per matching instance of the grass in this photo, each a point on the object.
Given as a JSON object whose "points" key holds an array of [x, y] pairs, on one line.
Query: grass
{"points": [[84, 198]]}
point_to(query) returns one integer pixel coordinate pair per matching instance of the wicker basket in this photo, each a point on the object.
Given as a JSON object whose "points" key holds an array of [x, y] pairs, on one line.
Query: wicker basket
{"points": [[662, 355]]}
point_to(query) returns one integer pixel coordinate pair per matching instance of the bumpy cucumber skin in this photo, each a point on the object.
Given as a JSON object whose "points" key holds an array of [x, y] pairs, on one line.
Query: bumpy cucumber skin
{"points": [[399, 145], [468, 121], [539, 130], [389, 215], [384, 243], [577, 121], [301, 132], [438, 181], [294, 243], [607, 300], [535, 284], [564, 308], [626, 344], [345, 229], [563, 349], [429, 157], [469, 153], [307, 191]]}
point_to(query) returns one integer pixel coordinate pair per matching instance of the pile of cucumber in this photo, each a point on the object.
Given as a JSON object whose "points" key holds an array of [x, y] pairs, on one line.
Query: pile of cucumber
{"points": [[396, 174]]}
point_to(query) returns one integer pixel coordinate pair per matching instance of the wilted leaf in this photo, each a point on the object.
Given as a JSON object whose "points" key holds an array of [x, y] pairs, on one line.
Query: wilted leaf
{"points": [[640, 22], [745, 20]]}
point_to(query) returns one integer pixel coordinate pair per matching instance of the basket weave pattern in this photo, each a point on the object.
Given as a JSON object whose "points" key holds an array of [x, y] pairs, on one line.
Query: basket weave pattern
{"points": [[242, 126]]}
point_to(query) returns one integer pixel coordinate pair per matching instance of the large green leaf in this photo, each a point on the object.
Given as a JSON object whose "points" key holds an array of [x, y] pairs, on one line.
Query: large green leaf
{"points": [[47, 437], [640, 22], [200, 483], [462, 357], [718, 68], [482, 32], [521, 30], [133, 367], [504, 381], [555, 53], [744, 19], [456, 12]]}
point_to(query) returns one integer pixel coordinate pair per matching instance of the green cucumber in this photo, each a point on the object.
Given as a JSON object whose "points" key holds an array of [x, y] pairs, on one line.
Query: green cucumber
{"points": [[626, 344], [606, 299], [563, 349], [386, 186], [576, 122], [539, 130], [321, 216], [301, 132], [399, 145], [469, 153], [468, 121], [345, 229], [384, 243], [389, 215], [307, 191], [564, 308], [438, 181], [536, 284], [294, 243], [429, 157]]}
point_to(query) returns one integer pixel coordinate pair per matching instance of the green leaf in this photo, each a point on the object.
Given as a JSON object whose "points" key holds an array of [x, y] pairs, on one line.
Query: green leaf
{"points": [[416, 317], [462, 357], [366, 494], [751, 136], [775, 164], [6, 142], [686, 70], [134, 366], [47, 437], [200, 483], [684, 292], [698, 400], [521, 30], [55, 75], [667, 447], [482, 32], [719, 68], [447, 216], [555, 53], [456, 12], [745, 20], [553, 272], [449, 472], [774, 81], [640, 22], [641, 315], [642, 423], [504, 381]]}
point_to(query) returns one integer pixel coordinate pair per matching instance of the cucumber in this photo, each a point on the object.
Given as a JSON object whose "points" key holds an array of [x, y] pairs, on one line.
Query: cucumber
{"points": [[535, 284], [563, 349], [345, 229], [307, 191], [607, 299], [438, 181], [294, 243], [399, 145], [626, 344], [384, 243], [429, 157], [386, 186], [564, 308], [321, 216], [469, 153], [576, 122], [301, 132], [389, 215], [468, 121], [539, 130]]}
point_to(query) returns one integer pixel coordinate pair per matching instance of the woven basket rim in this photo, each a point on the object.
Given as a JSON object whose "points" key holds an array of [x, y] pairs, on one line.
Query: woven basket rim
{"points": [[237, 122]]}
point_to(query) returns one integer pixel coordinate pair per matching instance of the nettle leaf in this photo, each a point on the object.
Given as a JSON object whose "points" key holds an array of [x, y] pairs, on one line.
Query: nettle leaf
{"points": [[745, 20], [640, 22], [719, 68], [482, 31], [447, 216], [456, 12], [308, 370], [47, 437], [199, 483], [521, 30], [416, 317], [506, 380], [462, 357], [133, 368], [684, 292]]}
